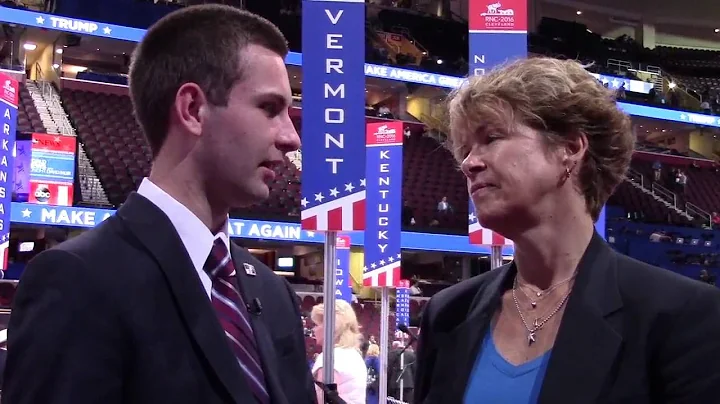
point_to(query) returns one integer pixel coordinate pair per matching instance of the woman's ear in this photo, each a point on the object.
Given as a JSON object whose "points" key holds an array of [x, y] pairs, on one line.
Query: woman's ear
{"points": [[575, 149]]}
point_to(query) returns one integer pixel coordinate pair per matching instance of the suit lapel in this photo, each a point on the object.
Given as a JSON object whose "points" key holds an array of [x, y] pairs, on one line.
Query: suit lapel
{"points": [[250, 283], [461, 346], [158, 237], [589, 338]]}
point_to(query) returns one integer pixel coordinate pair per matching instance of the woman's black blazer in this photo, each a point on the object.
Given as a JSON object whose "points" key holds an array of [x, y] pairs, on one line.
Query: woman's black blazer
{"points": [[631, 333]]}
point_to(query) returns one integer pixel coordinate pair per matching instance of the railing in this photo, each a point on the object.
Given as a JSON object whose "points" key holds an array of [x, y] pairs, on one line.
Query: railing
{"points": [[46, 90], [635, 177], [416, 43], [38, 72], [653, 69], [665, 193], [696, 212], [620, 65]]}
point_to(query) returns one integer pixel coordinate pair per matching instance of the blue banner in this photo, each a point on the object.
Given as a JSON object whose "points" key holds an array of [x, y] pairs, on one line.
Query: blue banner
{"points": [[402, 304], [384, 204], [333, 115], [33, 214], [9, 97], [72, 25], [343, 287], [488, 50]]}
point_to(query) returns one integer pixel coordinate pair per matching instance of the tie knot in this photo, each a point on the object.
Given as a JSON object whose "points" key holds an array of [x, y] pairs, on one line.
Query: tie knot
{"points": [[219, 263]]}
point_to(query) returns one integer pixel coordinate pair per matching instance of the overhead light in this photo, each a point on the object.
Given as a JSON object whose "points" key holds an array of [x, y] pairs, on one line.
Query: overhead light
{"points": [[717, 30], [56, 66], [29, 46], [59, 51], [98, 49], [439, 61], [578, 12]]}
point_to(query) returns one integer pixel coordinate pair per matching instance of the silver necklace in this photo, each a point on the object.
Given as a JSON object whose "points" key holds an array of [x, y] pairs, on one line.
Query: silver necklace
{"points": [[540, 295], [539, 322]]}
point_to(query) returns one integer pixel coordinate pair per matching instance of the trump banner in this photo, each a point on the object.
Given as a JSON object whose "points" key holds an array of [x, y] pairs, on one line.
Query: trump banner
{"points": [[9, 108], [402, 304], [384, 204], [52, 169], [343, 288], [333, 115], [497, 32]]}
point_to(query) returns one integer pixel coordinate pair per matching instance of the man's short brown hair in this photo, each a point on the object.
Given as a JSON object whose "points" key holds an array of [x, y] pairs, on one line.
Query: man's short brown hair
{"points": [[561, 100], [197, 44]]}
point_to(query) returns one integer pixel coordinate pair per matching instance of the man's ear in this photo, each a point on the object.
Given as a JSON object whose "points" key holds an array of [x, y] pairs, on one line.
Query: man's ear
{"points": [[189, 108]]}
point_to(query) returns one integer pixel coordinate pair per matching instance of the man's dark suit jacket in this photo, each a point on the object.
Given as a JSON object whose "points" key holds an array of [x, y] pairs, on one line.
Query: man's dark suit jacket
{"points": [[119, 315], [631, 333], [395, 370]]}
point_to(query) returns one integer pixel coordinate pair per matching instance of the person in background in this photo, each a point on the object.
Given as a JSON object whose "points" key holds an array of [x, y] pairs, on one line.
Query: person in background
{"points": [[444, 206], [350, 370], [372, 361], [543, 145], [156, 305]]}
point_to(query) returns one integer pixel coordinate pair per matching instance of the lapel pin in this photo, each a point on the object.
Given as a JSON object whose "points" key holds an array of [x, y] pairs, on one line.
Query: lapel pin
{"points": [[249, 269]]}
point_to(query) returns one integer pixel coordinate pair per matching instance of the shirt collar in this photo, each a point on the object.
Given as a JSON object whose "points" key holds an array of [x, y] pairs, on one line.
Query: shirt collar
{"points": [[195, 236]]}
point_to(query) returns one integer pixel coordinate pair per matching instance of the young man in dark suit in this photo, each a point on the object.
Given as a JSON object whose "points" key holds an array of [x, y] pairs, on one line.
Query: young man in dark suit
{"points": [[156, 305]]}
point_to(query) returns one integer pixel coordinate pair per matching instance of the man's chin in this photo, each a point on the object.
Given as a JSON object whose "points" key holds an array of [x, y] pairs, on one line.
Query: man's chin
{"points": [[251, 197]]}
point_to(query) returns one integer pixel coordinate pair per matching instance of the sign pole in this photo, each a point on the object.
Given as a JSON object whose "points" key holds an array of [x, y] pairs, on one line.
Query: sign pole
{"points": [[329, 305], [496, 258], [384, 342]]}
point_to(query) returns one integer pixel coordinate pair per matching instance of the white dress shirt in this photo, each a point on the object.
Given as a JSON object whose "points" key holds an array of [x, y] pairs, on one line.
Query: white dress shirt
{"points": [[195, 236]]}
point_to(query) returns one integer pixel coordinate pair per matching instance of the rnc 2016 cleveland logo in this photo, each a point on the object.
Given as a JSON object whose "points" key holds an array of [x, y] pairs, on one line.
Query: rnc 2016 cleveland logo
{"points": [[497, 16]]}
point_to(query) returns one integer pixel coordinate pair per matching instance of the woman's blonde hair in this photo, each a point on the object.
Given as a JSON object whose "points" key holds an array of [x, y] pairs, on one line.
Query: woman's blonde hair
{"points": [[559, 99], [373, 350], [347, 328]]}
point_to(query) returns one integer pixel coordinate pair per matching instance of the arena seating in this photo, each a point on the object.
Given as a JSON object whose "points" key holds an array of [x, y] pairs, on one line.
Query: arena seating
{"points": [[28, 116]]}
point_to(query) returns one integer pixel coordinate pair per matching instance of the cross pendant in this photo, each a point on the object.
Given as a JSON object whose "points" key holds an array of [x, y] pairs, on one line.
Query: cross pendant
{"points": [[531, 338]]}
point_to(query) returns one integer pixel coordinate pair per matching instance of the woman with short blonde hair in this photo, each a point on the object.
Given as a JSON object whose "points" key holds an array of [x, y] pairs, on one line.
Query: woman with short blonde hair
{"points": [[543, 145], [350, 370]]}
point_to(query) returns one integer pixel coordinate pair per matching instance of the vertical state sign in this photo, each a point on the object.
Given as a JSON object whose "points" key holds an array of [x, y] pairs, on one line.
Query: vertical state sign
{"points": [[402, 304], [384, 204], [8, 107], [482, 236], [333, 115], [343, 288], [497, 33]]}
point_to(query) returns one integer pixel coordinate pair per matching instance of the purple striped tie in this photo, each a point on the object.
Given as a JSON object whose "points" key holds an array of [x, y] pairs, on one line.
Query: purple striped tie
{"points": [[234, 318]]}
